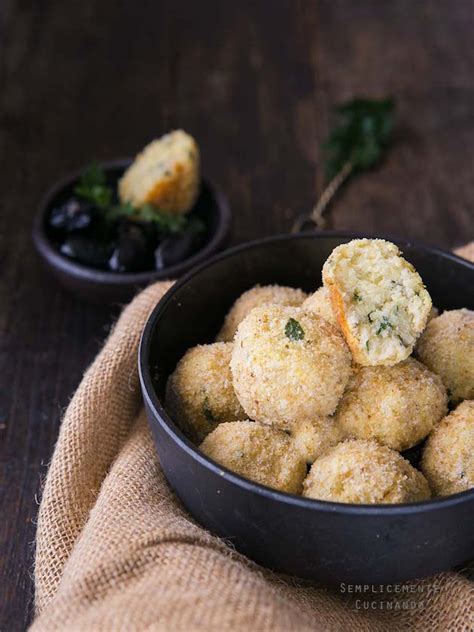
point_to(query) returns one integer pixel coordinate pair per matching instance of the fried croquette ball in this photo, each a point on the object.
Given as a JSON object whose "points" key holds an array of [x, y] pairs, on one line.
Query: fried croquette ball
{"points": [[258, 452], [288, 365], [398, 406], [313, 437], [448, 456], [447, 348], [256, 297], [379, 300], [165, 174], [199, 393], [319, 303], [364, 472]]}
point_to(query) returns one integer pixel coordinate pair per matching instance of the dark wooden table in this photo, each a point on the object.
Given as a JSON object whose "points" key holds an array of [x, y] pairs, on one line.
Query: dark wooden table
{"points": [[254, 82]]}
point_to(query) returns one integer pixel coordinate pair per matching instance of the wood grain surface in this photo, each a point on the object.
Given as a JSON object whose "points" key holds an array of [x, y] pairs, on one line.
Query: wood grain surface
{"points": [[254, 82]]}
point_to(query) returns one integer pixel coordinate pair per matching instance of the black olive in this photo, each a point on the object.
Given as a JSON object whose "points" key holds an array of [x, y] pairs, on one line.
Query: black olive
{"points": [[72, 216], [86, 250], [149, 229], [174, 249], [133, 250]]}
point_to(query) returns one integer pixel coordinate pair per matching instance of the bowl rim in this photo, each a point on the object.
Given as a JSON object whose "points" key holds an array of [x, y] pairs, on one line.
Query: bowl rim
{"points": [[167, 424], [87, 273]]}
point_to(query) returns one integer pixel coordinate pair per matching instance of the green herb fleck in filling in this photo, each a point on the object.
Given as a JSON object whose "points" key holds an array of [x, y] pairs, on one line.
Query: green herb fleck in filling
{"points": [[384, 324], [356, 296], [402, 341], [293, 330]]}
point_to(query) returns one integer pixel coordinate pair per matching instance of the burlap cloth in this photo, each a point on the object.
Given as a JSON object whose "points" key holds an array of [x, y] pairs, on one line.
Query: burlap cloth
{"points": [[116, 551]]}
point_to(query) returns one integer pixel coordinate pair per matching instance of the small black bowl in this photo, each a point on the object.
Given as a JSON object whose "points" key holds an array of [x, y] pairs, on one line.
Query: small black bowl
{"points": [[324, 541], [103, 286]]}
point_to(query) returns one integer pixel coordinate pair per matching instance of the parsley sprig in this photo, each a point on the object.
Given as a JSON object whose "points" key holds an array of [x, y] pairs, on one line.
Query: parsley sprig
{"points": [[293, 330], [358, 141], [362, 133], [93, 187]]}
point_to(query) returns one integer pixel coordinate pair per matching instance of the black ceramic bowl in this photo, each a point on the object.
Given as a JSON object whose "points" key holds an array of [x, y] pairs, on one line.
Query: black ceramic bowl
{"points": [[103, 286], [325, 541]]}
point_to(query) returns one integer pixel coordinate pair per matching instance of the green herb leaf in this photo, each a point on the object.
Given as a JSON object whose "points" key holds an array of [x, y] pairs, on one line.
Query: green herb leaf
{"points": [[356, 296], [363, 131], [402, 341], [92, 187], [93, 176], [384, 324], [120, 210], [293, 330], [165, 222]]}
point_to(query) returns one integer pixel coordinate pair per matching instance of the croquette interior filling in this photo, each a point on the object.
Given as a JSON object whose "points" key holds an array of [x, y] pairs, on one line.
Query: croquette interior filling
{"points": [[162, 159], [385, 300]]}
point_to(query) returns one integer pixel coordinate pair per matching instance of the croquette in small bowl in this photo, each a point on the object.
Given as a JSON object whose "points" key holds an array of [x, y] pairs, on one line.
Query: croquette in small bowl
{"points": [[165, 174]]}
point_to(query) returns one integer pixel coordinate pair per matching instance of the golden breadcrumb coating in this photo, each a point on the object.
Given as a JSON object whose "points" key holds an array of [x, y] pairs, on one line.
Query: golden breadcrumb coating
{"points": [[313, 437], [448, 457], [319, 303], [258, 452], [364, 472], [165, 174], [288, 365], [256, 297], [447, 348], [379, 299], [199, 393], [398, 406]]}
